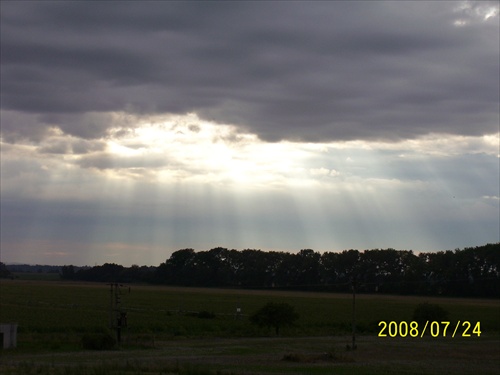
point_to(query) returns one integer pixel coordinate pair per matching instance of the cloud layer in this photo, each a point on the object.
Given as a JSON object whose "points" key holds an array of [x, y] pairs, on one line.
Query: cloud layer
{"points": [[323, 72], [133, 129]]}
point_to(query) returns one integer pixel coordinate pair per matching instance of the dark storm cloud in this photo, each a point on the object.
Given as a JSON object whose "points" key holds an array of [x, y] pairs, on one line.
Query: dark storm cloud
{"points": [[283, 70]]}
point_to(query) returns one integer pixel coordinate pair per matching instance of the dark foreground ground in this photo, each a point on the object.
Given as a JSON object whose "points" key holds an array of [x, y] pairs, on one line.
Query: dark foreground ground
{"points": [[166, 335], [306, 355]]}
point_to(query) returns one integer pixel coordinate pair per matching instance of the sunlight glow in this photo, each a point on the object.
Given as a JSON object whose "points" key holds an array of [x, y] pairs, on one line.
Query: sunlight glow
{"points": [[186, 149], [473, 11], [186, 182], [200, 151]]}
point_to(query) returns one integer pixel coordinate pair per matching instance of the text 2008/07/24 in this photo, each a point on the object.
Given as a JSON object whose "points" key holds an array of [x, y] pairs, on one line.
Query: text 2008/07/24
{"points": [[434, 328]]}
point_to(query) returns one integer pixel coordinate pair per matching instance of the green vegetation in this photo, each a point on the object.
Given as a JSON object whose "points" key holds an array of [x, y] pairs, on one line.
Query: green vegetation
{"points": [[429, 312], [177, 330], [60, 307], [471, 272], [275, 315]]}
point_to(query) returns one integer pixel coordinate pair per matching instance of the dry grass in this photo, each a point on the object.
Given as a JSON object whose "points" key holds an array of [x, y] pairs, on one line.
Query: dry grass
{"points": [[313, 355]]}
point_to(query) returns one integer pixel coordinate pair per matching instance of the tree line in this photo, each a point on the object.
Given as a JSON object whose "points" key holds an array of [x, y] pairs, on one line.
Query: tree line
{"points": [[468, 272]]}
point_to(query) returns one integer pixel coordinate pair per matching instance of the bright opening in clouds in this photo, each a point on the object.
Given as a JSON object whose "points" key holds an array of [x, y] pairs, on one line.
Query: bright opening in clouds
{"points": [[133, 129]]}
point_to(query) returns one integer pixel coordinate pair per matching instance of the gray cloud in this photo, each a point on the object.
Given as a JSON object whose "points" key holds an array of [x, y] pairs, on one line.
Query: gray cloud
{"points": [[71, 146], [314, 72], [108, 161]]}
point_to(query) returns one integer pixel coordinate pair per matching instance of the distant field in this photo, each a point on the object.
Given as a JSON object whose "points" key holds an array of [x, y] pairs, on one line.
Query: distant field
{"points": [[44, 276], [163, 323]]}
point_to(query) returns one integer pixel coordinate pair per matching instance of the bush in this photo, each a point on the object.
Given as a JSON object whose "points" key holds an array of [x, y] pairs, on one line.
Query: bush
{"points": [[429, 312], [98, 341], [275, 315]]}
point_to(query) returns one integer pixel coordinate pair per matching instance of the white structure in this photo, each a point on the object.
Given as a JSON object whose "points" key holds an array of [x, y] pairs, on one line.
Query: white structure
{"points": [[8, 335]]}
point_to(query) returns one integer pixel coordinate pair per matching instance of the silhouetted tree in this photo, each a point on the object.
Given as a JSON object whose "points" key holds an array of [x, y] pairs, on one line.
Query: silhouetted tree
{"points": [[4, 272], [468, 272], [275, 315], [68, 272]]}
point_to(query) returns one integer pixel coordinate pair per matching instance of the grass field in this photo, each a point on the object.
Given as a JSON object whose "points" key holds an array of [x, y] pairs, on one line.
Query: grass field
{"points": [[166, 336]]}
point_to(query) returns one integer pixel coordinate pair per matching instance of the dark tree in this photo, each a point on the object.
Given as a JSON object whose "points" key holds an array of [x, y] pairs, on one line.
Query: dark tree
{"points": [[68, 272], [471, 272], [4, 272], [177, 270], [275, 315], [429, 312]]}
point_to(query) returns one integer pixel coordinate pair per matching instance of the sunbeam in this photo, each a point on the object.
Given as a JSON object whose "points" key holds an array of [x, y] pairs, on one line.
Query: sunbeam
{"points": [[153, 190]]}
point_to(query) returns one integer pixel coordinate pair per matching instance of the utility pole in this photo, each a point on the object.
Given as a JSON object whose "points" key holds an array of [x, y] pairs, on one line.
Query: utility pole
{"points": [[117, 317], [353, 286], [111, 306]]}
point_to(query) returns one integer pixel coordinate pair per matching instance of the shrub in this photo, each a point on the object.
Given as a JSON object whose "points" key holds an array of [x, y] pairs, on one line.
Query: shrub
{"points": [[98, 341], [429, 312], [275, 315]]}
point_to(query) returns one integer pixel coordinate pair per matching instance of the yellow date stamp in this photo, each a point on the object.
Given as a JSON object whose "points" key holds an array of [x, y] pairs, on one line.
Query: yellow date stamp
{"points": [[434, 328]]}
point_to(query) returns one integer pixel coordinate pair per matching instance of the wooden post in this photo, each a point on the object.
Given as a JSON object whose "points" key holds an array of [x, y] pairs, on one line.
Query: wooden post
{"points": [[353, 315], [117, 317], [111, 306]]}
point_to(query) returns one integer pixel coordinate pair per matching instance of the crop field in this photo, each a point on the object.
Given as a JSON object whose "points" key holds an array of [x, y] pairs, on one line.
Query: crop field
{"points": [[197, 331]]}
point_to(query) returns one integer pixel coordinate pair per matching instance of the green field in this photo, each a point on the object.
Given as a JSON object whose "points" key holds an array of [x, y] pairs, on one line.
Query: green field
{"points": [[165, 335]]}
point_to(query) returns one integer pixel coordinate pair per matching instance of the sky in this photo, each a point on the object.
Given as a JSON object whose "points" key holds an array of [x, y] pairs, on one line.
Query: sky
{"points": [[130, 130]]}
